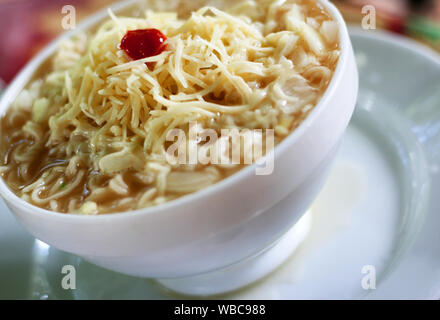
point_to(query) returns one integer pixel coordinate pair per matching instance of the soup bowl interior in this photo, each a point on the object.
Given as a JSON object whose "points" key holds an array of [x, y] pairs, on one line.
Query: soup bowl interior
{"points": [[219, 225]]}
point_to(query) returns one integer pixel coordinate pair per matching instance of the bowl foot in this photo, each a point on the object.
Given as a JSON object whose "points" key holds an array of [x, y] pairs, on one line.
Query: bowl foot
{"points": [[245, 272]]}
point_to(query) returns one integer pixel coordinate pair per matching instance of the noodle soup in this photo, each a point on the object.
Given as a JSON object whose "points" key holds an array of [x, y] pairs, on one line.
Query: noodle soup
{"points": [[91, 133]]}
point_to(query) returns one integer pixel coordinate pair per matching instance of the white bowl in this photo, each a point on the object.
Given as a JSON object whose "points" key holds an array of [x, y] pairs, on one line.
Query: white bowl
{"points": [[220, 225]]}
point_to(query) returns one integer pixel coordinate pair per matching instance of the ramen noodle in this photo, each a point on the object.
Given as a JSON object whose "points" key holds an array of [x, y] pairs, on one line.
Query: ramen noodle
{"points": [[89, 134]]}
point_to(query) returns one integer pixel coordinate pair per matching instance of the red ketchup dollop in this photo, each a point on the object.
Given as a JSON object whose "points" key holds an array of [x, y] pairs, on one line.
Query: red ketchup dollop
{"points": [[143, 43]]}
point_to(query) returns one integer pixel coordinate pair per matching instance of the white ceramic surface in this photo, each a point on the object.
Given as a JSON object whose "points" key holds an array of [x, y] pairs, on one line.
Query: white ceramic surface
{"points": [[247, 271], [215, 227]]}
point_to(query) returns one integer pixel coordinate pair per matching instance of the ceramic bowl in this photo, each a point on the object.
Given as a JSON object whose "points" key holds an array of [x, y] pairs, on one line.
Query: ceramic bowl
{"points": [[215, 227]]}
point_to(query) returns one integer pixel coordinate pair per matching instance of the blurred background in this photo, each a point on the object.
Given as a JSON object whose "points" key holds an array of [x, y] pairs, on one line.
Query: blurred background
{"points": [[28, 25]]}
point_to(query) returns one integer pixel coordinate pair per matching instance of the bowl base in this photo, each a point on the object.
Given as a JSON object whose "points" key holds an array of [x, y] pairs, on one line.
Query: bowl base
{"points": [[245, 272]]}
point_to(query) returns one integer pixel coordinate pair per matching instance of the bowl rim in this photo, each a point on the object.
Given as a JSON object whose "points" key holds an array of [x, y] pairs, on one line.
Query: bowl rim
{"points": [[22, 79]]}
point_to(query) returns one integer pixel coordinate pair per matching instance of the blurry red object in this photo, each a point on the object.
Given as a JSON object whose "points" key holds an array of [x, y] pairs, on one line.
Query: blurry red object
{"points": [[26, 26], [18, 35]]}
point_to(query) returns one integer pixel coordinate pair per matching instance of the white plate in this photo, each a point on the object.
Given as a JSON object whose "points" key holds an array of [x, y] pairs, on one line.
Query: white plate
{"points": [[369, 213]]}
